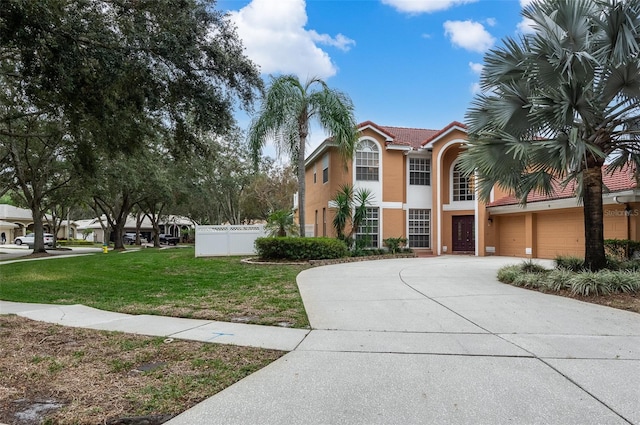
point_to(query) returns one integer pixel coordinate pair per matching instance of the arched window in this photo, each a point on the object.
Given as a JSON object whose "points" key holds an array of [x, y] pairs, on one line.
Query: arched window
{"points": [[367, 160], [463, 189]]}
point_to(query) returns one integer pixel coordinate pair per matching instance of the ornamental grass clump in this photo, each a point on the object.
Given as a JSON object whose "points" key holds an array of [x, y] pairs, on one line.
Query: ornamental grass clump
{"points": [[589, 283], [508, 274], [558, 280], [582, 282]]}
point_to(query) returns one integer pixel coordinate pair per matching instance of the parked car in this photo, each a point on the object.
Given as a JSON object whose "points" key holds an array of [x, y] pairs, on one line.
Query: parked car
{"points": [[130, 238], [168, 239], [30, 239]]}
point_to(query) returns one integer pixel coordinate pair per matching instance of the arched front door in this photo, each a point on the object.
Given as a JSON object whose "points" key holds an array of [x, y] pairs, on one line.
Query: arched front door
{"points": [[463, 234]]}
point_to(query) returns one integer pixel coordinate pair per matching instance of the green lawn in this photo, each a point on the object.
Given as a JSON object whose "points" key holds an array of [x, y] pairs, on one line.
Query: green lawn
{"points": [[169, 282]]}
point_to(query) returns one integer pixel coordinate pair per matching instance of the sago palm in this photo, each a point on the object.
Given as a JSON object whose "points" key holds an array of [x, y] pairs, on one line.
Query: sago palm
{"points": [[285, 115], [559, 102]]}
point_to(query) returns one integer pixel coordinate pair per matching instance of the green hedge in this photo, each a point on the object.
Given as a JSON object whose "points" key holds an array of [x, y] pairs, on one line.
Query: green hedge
{"points": [[621, 249], [289, 248], [75, 242]]}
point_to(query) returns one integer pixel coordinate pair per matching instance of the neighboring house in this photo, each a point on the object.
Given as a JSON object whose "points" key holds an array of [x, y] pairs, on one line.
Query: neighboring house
{"points": [[16, 222], [171, 225], [420, 194]]}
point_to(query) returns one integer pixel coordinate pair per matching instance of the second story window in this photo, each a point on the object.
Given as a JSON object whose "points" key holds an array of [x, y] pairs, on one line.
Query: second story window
{"points": [[367, 161], [420, 171], [463, 189], [325, 168]]}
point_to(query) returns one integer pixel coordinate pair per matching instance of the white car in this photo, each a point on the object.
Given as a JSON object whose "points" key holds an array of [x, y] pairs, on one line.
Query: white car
{"points": [[29, 239]]}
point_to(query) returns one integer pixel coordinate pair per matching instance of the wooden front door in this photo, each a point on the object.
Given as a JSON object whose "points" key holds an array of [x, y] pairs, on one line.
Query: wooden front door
{"points": [[464, 234]]}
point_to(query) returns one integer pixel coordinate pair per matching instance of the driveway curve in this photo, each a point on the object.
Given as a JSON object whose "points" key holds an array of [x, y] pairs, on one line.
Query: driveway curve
{"points": [[441, 341]]}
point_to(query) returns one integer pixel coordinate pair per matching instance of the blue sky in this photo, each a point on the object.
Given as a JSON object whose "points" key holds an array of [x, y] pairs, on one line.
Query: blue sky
{"points": [[406, 63]]}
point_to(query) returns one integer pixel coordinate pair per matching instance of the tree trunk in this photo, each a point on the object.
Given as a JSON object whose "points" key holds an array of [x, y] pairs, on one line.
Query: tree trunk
{"points": [[301, 185], [38, 230], [594, 257], [118, 235]]}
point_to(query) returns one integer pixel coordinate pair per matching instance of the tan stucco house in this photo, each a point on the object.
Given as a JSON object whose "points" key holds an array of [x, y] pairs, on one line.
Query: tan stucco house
{"points": [[420, 194], [15, 221]]}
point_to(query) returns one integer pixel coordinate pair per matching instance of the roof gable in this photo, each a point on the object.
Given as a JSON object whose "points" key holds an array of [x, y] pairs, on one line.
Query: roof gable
{"points": [[406, 136], [453, 126]]}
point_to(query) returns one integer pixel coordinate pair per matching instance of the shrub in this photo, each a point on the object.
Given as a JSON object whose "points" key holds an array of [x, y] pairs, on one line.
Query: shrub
{"points": [[530, 267], [589, 283], [630, 265], [529, 280], [559, 279], [75, 242], [574, 264], [289, 248], [395, 244], [621, 281], [621, 249], [508, 274]]}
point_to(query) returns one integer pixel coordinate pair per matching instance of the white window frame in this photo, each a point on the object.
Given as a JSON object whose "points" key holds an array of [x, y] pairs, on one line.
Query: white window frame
{"points": [[421, 167], [456, 186], [366, 153], [422, 224], [365, 230]]}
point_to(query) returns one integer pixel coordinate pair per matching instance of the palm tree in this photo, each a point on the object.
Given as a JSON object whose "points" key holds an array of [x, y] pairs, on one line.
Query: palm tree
{"points": [[280, 223], [285, 115], [559, 102], [350, 206]]}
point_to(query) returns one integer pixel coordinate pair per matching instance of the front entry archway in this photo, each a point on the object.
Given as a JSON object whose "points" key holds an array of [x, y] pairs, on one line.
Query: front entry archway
{"points": [[463, 233]]}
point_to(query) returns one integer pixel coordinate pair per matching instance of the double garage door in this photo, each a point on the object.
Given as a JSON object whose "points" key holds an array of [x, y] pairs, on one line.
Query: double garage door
{"points": [[555, 234]]}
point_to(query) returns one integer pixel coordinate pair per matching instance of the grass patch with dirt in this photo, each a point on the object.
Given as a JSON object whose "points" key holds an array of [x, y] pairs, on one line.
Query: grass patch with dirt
{"points": [[171, 282], [60, 375]]}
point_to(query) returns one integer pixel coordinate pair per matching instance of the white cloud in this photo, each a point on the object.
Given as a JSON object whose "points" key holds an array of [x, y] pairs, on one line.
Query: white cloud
{"points": [[469, 35], [526, 25], [424, 6], [491, 22], [340, 41], [476, 67], [275, 38]]}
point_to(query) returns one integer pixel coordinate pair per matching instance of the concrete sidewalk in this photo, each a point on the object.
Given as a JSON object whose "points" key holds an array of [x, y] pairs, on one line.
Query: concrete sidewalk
{"points": [[440, 341], [272, 337]]}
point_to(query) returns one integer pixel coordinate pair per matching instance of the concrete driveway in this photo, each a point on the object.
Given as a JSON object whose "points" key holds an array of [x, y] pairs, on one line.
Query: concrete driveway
{"points": [[440, 341]]}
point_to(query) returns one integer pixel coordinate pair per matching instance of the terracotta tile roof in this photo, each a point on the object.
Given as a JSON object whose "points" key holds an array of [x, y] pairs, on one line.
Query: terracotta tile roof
{"points": [[443, 131], [617, 181], [414, 137]]}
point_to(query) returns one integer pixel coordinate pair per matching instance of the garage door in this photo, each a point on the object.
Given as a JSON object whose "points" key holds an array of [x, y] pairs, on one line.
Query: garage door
{"points": [[560, 234], [511, 236]]}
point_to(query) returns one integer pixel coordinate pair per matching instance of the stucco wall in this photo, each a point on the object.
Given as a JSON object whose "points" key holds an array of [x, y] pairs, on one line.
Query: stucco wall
{"points": [[547, 234]]}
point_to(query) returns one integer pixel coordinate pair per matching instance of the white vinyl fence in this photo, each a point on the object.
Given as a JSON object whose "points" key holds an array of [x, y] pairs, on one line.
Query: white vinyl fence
{"points": [[227, 240]]}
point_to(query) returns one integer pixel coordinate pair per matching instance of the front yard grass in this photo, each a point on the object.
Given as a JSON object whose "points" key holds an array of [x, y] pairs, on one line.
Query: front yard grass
{"points": [[86, 376], [170, 282]]}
